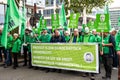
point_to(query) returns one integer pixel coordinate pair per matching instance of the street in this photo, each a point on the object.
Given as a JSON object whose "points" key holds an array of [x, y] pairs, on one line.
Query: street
{"points": [[23, 73]]}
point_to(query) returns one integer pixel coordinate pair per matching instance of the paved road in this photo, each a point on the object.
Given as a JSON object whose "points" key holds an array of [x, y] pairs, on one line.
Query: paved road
{"points": [[23, 73]]}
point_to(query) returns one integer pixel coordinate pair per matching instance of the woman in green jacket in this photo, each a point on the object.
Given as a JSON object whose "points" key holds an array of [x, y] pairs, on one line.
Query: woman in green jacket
{"points": [[16, 49]]}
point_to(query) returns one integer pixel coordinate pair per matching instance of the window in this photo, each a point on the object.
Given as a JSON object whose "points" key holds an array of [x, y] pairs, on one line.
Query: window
{"points": [[48, 22]]}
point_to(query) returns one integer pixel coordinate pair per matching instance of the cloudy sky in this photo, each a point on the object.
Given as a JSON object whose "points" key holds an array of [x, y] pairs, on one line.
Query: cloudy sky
{"points": [[116, 3]]}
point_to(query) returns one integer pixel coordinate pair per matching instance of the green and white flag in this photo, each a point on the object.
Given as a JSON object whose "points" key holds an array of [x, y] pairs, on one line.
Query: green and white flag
{"points": [[12, 18], [43, 24], [55, 21], [102, 23], [74, 20], [62, 18]]}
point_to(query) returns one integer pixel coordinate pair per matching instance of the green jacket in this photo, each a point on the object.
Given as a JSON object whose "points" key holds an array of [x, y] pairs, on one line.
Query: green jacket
{"points": [[16, 45], [9, 41], [67, 38], [31, 40], [117, 39], [84, 38], [0, 39], [45, 38], [95, 38]]}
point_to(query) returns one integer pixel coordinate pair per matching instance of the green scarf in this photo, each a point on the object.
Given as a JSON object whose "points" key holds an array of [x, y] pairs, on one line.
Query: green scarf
{"points": [[71, 40]]}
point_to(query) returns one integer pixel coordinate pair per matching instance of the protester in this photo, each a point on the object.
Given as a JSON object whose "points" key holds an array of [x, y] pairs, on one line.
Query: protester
{"points": [[45, 37], [118, 51], [15, 50], [75, 38], [94, 38], [57, 38], [25, 40], [115, 57], [67, 36], [85, 37], [107, 54], [8, 60]]}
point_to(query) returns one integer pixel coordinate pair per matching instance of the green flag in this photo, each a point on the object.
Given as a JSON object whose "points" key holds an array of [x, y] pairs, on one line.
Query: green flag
{"points": [[106, 11], [74, 20], [62, 18], [119, 21], [11, 20], [42, 24], [55, 21], [23, 26]]}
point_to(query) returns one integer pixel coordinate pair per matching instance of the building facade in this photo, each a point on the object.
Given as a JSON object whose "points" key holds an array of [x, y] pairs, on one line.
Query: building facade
{"points": [[114, 15]]}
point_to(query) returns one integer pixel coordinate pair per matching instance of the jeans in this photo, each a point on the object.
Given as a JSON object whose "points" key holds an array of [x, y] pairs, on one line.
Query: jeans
{"points": [[8, 60], [115, 60]]}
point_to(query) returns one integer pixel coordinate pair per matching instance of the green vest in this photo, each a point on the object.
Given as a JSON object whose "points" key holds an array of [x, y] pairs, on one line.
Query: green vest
{"points": [[106, 41]]}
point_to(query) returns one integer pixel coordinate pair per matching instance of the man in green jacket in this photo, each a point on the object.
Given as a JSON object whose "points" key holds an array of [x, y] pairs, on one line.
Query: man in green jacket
{"points": [[107, 54], [45, 37], [26, 40]]}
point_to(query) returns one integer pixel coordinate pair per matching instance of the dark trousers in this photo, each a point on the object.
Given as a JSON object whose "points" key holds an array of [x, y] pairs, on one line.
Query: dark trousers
{"points": [[30, 63], [119, 68], [107, 61], [15, 57], [1, 54], [25, 55], [115, 60]]}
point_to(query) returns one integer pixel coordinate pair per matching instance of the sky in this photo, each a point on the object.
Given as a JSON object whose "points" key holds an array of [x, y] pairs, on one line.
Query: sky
{"points": [[116, 3]]}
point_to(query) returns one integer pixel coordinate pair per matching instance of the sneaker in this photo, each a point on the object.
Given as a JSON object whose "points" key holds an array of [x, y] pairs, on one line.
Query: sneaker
{"points": [[106, 78], [115, 68], [92, 78]]}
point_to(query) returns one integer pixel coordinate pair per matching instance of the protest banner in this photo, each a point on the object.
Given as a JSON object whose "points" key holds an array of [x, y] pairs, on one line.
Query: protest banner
{"points": [[77, 57]]}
